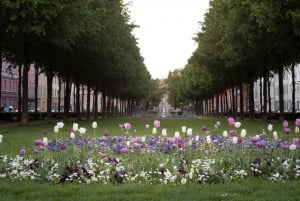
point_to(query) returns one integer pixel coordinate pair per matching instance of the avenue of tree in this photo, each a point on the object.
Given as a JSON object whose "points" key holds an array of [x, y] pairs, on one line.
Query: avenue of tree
{"points": [[239, 43], [87, 43]]}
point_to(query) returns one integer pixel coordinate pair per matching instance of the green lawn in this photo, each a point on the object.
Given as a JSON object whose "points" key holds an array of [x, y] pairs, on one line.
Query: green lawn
{"points": [[17, 137], [245, 190]]}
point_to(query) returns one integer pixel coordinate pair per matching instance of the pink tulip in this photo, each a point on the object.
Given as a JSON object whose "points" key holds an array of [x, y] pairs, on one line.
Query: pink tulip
{"points": [[285, 124], [127, 126], [297, 122], [231, 121], [156, 123]]}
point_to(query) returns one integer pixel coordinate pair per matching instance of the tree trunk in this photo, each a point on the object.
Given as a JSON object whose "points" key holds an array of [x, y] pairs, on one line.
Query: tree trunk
{"points": [[261, 94], [67, 97], [59, 94], [20, 90], [265, 94], [293, 89], [251, 100], [88, 102], [95, 103], [241, 100], [269, 94], [36, 88], [0, 74], [280, 80], [24, 114], [49, 94], [103, 97], [233, 104]]}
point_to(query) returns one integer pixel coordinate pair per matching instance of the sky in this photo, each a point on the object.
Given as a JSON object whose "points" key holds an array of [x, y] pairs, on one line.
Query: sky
{"points": [[166, 31]]}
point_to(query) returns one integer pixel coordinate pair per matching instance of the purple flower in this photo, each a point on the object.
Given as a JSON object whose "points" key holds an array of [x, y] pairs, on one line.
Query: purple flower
{"points": [[286, 130], [230, 121], [233, 133], [62, 146], [106, 133], [295, 141], [124, 150], [261, 143], [285, 124], [156, 123], [22, 152], [45, 132], [38, 142], [171, 140], [35, 151], [284, 146], [204, 128], [137, 145], [127, 126], [297, 122]]}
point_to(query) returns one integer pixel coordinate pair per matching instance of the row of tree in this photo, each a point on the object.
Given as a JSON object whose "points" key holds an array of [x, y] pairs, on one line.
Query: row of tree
{"points": [[84, 42], [240, 42]]}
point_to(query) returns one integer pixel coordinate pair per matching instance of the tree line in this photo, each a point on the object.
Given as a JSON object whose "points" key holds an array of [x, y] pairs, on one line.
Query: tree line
{"points": [[239, 43], [84, 42]]}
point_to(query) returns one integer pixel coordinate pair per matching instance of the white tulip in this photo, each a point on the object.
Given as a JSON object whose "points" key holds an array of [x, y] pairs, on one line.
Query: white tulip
{"points": [[177, 134], [94, 125], [275, 135], [237, 124], [82, 130], [234, 140], [189, 132], [183, 129], [270, 127], [225, 133], [197, 138], [72, 135], [1, 137], [75, 127], [154, 131], [45, 141], [296, 129], [164, 132], [60, 124], [143, 139], [243, 133], [56, 129], [292, 147], [208, 139]]}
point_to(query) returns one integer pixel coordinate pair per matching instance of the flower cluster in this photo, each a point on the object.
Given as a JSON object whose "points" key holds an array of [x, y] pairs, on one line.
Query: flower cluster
{"points": [[191, 158]]}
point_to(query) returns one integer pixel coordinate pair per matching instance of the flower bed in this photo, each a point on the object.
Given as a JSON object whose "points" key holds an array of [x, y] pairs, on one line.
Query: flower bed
{"points": [[182, 158]]}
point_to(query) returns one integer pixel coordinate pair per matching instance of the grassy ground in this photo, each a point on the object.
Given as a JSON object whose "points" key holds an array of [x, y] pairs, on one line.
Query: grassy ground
{"points": [[244, 190], [17, 137]]}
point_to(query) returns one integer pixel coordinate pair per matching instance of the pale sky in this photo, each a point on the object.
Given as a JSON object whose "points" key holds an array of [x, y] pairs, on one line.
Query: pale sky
{"points": [[166, 31]]}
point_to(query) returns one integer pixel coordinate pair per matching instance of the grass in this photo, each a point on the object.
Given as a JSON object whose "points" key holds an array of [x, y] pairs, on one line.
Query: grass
{"points": [[244, 190], [17, 137]]}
